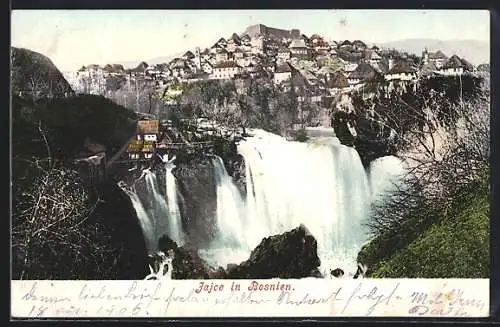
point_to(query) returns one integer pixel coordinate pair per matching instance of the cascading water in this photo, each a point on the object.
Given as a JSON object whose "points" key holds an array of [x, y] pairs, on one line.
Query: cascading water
{"points": [[175, 222], [320, 184], [147, 224], [230, 243], [158, 215], [386, 173]]}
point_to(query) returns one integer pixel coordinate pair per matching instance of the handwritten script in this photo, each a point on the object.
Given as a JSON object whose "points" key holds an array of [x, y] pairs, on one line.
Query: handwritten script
{"points": [[234, 298]]}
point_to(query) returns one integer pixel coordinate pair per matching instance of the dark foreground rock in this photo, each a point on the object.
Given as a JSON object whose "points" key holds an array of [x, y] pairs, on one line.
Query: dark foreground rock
{"points": [[187, 264], [289, 255]]}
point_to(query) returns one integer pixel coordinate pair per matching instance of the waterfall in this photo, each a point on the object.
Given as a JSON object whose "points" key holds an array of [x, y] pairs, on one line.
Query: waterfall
{"points": [[385, 175], [175, 226], [321, 184], [158, 214], [145, 221]]}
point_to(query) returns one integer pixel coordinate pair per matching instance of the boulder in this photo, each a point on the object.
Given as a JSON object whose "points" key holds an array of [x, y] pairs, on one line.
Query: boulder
{"points": [[289, 255], [187, 264]]}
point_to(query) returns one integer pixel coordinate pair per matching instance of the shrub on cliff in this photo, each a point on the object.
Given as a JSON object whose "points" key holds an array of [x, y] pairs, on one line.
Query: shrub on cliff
{"points": [[457, 246], [59, 229], [413, 220], [396, 119], [34, 75]]}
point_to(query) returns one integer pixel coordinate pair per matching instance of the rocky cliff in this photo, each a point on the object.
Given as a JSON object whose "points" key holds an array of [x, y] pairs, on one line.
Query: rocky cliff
{"points": [[34, 74]]}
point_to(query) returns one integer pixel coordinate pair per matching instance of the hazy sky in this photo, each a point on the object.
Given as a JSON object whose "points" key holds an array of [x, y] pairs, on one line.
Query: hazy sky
{"points": [[75, 37]]}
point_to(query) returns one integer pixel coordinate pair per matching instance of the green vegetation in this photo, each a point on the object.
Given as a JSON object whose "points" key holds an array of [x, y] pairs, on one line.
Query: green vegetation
{"points": [[457, 246], [436, 223]]}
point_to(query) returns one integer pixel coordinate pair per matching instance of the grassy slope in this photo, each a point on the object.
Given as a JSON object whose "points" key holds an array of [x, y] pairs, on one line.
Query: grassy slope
{"points": [[455, 247]]}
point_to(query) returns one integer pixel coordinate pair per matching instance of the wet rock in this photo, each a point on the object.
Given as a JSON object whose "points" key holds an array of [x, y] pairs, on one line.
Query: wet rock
{"points": [[197, 198], [337, 273], [289, 255], [187, 264]]}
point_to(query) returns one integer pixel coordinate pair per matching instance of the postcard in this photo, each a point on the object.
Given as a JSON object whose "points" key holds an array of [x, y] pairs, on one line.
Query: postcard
{"points": [[250, 163]]}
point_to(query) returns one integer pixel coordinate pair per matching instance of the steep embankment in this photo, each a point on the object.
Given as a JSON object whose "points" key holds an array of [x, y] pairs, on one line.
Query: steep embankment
{"points": [[34, 73], [457, 246], [436, 224], [63, 229]]}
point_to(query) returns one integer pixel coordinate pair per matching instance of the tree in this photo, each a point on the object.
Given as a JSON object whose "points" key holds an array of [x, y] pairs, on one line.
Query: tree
{"points": [[441, 176], [37, 84]]}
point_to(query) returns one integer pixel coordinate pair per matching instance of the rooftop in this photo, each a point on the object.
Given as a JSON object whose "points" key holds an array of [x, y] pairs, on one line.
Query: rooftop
{"points": [[227, 64], [402, 67], [283, 68], [300, 43], [148, 126]]}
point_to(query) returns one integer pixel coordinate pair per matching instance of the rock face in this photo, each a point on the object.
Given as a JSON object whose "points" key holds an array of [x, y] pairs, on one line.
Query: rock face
{"points": [[118, 216], [289, 255], [234, 164], [187, 264], [35, 74], [197, 201]]}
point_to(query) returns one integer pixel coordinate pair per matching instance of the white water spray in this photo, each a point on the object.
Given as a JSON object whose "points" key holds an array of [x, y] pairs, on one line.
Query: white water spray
{"points": [[175, 221], [321, 184], [158, 215]]}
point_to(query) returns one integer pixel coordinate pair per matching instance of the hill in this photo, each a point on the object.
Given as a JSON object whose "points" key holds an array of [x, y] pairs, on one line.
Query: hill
{"points": [[476, 52], [34, 73]]}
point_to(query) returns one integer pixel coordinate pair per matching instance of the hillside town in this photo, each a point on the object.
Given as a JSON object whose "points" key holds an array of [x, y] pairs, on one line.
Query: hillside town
{"points": [[324, 68]]}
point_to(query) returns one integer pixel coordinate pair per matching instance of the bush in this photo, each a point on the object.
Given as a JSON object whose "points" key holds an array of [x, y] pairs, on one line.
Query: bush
{"points": [[416, 230], [456, 247]]}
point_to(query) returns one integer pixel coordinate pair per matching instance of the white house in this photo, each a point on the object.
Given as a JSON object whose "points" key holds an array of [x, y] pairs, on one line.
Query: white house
{"points": [[222, 55], [238, 54], [455, 66], [298, 48], [283, 54], [401, 71], [257, 44], [438, 58], [147, 130], [372, 57], [282, 73], [225, 70]]}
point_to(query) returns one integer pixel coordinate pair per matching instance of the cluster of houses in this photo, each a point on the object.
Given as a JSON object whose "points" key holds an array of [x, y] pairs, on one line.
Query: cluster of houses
{"points": [[289, 58]]}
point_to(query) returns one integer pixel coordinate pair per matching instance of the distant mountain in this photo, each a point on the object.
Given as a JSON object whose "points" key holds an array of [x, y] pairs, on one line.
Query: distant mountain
{"points": [[35, 73], [476, 52]]}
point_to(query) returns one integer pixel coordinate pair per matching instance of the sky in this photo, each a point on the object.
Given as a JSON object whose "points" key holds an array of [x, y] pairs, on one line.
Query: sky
{"points": [[72, 38]]}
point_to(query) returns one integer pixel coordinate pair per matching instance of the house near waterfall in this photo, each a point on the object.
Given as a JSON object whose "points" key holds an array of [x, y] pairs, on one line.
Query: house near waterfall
{"points": [[143, 145]]}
